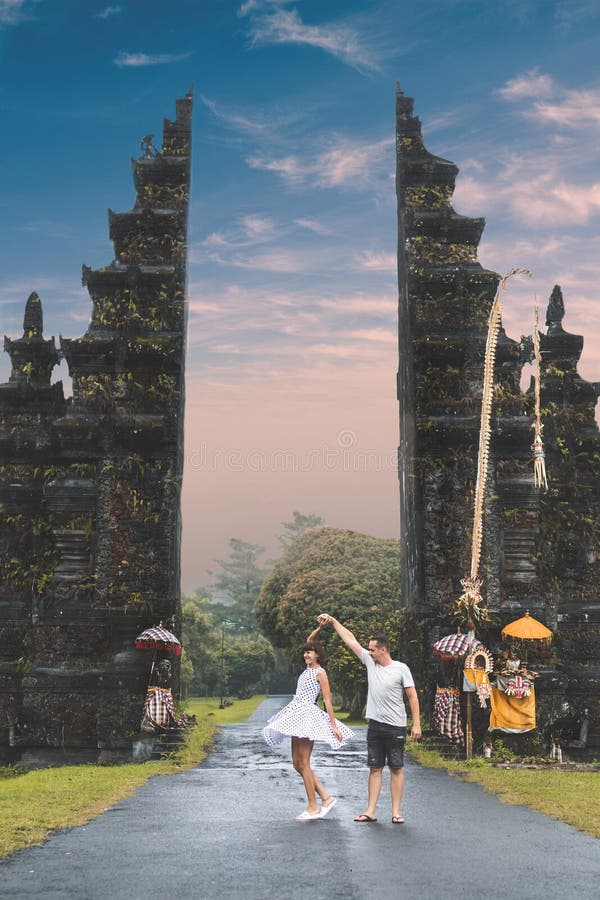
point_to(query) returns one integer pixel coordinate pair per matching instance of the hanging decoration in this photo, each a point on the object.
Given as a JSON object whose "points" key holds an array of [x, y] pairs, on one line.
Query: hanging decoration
{"points": [[539, 456], [470, 608], [478, 663], [481, 658]]}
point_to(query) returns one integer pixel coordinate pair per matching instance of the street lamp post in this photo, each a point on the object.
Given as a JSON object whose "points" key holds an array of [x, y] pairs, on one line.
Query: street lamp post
{"points": [[222, 679]]}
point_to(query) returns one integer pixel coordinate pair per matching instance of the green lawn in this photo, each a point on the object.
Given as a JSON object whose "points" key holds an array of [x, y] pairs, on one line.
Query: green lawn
{"points": [[208, 708], [573, 796], [36, 803]]}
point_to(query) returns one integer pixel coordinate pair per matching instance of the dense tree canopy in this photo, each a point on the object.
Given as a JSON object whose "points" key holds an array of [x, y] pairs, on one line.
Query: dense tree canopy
{"points": [[218, 658], [350, 575], [248, 661], [200, 675]]}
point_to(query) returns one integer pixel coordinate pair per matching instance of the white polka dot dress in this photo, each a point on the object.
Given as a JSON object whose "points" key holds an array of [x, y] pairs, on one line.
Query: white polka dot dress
{"points": [[302, 718]]}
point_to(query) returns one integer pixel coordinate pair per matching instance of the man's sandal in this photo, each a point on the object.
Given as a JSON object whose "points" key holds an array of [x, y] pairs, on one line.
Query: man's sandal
{"points": [[364, 818], [397, 820]]}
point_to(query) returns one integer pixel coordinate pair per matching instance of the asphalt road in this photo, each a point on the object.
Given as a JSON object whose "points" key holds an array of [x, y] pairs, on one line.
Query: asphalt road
{"points": [[227, 829]]}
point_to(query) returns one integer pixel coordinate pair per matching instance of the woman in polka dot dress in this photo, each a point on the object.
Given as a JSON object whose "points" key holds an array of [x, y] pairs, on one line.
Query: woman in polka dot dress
{"points": [[305, 723]]}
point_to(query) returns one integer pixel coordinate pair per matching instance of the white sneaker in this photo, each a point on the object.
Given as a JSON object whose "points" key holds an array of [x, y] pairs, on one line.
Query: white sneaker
{"points": [[325, 809]]}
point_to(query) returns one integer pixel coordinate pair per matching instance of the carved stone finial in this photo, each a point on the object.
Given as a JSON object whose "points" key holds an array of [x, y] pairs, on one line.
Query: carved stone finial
{"points": [[31, 356], [556, 307], [33, 320]]}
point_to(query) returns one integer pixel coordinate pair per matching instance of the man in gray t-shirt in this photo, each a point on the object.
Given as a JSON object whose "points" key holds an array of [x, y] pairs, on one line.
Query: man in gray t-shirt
{"points": [[388, 681]]}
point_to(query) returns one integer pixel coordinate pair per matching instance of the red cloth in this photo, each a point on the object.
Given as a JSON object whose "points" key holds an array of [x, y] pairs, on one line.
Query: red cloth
{"points": [[446, 714], [160, 709]]}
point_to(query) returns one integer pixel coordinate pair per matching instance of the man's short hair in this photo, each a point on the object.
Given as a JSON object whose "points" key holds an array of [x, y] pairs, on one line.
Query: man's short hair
{"points": [[382, 641]]}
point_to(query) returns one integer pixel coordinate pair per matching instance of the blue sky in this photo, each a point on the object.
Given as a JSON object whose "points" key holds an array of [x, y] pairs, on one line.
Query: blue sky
{"points": [[292, 285]]}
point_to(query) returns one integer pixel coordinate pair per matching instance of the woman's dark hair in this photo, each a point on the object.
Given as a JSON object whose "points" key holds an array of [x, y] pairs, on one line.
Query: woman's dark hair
{"points": [[318, 648]]}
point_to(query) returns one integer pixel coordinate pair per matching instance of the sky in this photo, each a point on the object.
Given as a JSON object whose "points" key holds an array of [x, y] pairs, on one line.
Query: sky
{"points": [[292, 345]]}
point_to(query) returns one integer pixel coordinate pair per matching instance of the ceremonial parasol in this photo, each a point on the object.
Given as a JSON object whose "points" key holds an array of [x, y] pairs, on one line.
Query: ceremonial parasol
{"points": [[451, 646], [158, 638], [527, 629]]}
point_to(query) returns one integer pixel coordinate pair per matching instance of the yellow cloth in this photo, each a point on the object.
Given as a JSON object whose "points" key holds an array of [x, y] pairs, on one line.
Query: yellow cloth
{"points": [[473, 678], [469, 683], [512, 714]]}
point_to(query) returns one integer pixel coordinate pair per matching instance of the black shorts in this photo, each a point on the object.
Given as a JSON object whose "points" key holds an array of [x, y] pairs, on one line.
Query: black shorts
{"points": [[385, 743]]}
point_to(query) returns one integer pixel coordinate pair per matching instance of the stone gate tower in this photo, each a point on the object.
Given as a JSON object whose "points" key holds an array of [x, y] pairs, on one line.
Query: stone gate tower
{"points": [[90, 485], [541, 549]]}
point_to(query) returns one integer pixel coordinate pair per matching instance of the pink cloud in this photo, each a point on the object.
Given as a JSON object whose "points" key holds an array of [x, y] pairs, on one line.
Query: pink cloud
{"points": [[530, 84]]}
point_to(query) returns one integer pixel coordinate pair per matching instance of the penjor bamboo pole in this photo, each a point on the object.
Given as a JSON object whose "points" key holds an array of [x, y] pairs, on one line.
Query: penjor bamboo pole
{"points": [[473, 583]]}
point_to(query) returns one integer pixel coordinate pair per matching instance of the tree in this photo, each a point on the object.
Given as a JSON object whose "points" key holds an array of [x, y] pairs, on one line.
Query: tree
{"points": [[248, 660], [298, 526], [354, 577], [199, 640], [240, 581]]}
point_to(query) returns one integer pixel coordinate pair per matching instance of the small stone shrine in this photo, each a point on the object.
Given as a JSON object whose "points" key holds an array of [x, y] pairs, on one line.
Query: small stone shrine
{"points": [[90, 486], [540, 547]]}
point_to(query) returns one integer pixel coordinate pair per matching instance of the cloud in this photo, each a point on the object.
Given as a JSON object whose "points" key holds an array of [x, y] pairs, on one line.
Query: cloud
{"points": [[250, 231], [48, 228], [376, 335], [286, 27], [259, 227], [551, 199], [250, 6], [377, 261], [13, 11], [287, 326], [109, 12], [371, 304], [274, 261], [570, 13], [345, 163], [136, 60], [548, 176], [532, 190], [237, 120], [473, 194], [240, 247], [288, 261], [530, 84], [312, 225], [567, 260], [576, 110]]}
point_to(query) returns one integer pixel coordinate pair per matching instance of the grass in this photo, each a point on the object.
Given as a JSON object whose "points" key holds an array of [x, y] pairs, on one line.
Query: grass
{"points": [[346, 718], [38, 802], [570, 796], [208, 708]]}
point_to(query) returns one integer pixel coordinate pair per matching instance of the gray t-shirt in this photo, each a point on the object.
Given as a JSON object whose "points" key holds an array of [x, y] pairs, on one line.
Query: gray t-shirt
{"points": [[385, 700]]}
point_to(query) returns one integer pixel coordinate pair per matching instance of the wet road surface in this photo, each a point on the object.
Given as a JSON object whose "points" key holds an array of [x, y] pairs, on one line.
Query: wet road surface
{"points": [[226, 829]]}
